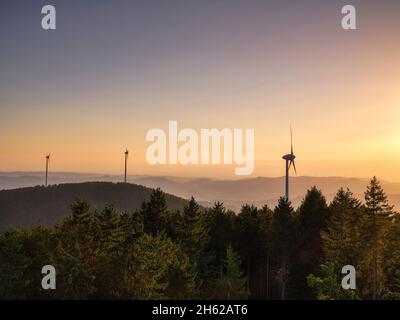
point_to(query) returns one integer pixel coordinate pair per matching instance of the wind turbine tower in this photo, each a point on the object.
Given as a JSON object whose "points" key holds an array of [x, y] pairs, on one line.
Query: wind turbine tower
{"points": [[126, 163], [47, 167], [289, 158]]}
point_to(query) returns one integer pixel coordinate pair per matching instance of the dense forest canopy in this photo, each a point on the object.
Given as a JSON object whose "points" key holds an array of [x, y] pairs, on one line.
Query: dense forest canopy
{"points": [[156, 252]]}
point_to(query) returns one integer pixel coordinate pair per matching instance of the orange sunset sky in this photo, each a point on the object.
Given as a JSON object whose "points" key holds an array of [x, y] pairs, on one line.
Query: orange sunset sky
{"points": [[109, 73]]}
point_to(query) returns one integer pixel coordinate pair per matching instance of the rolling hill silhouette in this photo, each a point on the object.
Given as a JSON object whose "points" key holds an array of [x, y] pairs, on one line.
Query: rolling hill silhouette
{"points": [[233, 193], [31, 206]]}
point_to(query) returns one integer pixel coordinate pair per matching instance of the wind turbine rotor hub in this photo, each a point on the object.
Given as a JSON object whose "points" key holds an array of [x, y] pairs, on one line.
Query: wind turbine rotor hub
{"points": [[289, 157]]}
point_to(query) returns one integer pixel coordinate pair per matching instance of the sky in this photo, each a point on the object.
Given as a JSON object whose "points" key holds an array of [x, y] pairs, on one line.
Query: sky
{"points": [[112, 70]]}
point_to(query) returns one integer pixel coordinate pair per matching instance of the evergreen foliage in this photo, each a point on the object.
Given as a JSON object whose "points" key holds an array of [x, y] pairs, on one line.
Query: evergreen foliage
{"points": [[156, 252]]}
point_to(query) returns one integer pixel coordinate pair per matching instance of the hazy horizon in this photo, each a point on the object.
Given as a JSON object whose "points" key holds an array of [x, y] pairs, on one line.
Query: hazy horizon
{"points": [[208, 190], [184, 176]]}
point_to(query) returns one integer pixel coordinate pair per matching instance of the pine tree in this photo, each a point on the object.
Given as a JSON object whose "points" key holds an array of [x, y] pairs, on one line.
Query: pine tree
{"points": [[231, 284], [248, 237], [328, 286], [251, 241], [220, 225], [312, 218], [343, 238], [80, 227], [192, 234], [156, 268], [266, 216], [109, 223], [378, 213], [192, 231], [107, 266], [39, 244], [283, 241], [131, 226], [155, 213], [80, 209], [13, 264], [74, 280]]}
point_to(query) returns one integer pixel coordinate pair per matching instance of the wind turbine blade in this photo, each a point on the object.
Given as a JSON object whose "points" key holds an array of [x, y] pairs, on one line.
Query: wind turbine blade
{"points": [[294, 167], [291, 140]]}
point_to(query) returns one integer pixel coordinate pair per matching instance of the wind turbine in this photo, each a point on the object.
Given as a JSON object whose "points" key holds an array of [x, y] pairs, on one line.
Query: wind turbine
{"points": [[47, 167], [289, 158], [126, 162]]}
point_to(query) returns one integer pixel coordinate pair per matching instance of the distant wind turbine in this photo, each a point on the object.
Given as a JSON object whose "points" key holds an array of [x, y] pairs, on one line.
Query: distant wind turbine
{"points": [[289, 158], [126, 163], [47, 167]]}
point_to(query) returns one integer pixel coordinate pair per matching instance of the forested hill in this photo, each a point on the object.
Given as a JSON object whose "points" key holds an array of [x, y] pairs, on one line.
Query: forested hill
{"points": [[40, 205]]}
